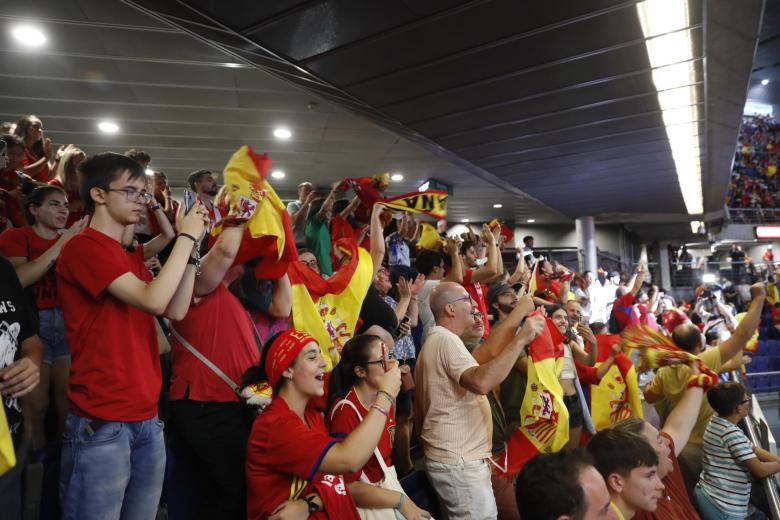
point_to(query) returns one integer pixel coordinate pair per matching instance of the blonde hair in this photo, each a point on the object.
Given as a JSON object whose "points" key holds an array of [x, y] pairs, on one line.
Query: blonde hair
{"points": [[65, 172]]}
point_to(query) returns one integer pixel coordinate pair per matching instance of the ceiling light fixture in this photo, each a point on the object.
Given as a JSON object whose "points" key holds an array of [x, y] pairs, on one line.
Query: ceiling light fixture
{"points": [[765, 82], [278, 174], [497, 206], [669, 45], [108, 127], [29, 36], [282, 133], [397, 177], [531, 220], [465, 220]]}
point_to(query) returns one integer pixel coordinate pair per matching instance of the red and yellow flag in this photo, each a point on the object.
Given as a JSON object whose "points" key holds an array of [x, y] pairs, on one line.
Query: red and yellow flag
{"points": [[431, 202], [329, 309], [616, 396], [544, 419], [430, 238]]}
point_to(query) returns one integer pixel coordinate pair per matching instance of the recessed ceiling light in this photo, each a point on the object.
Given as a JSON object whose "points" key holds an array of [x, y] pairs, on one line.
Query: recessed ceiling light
{"points": [[233, 65], [498, 206], [396, 177], [282, 133], [277, 174], [149, 172], [108, 127], [765, 82], [465, 220], [29, 36], [531, 220]]}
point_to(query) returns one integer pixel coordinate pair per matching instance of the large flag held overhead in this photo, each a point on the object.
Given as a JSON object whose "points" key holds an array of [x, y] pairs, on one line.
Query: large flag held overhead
{"points": [[616, 396], [544, 419], [431, 202], [430, 238]]}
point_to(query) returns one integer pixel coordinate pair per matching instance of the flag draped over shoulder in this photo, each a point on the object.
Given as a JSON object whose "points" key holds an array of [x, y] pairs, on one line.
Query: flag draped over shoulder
{"points": [[544, 419], [268, 232], [616, 396], [329, 309]]}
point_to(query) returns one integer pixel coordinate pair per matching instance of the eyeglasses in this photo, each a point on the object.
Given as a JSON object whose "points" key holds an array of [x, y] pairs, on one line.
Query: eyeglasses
{"points": [[456, 300], [478, 316], [134, 195], [311, 263], [745, 401]]}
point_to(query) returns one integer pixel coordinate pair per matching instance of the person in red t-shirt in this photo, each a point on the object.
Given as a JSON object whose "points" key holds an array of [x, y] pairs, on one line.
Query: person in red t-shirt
{"points": [[668, 443], [12, 182], [290, 453], [66, 177], [113, 438], [624, 304], [32, 250], [206, 414], [475, 279], [355, 381], [37, 150]]}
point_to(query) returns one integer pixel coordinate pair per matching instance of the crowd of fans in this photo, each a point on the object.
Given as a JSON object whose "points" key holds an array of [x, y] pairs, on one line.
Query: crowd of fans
{"points": [[754, 180], [117, 313]]}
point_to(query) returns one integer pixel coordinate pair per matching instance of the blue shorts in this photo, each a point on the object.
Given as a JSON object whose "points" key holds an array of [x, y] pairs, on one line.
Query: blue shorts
{"points": [[52, 334]]}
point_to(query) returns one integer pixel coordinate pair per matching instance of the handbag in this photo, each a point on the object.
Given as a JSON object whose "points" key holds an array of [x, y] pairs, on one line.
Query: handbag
{"points": [[390, 482]]}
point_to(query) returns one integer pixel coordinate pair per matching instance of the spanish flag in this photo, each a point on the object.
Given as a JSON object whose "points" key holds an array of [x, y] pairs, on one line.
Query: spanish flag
{"points": [[544, 420], [268, 233], [431, 202], [616, 396], [429, 238], [329, 309]]}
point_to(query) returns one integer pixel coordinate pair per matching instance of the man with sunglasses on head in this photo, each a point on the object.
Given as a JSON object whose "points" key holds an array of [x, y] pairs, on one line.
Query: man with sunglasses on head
{"points": [[452, 412]]}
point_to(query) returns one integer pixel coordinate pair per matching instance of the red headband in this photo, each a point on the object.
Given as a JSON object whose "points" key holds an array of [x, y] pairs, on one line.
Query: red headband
{"points": [[282, 352]]}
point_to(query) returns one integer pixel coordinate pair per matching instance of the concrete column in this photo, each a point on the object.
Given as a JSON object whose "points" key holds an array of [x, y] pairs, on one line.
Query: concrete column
{"points": [[586, 244], [663, 260]]}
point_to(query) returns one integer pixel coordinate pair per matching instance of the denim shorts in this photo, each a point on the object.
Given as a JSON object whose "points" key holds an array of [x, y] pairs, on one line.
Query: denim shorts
{"points": [[52, 334]]}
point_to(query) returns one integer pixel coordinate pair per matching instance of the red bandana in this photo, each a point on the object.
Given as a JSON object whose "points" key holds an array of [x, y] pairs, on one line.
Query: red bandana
{"points": [[282, 352]]}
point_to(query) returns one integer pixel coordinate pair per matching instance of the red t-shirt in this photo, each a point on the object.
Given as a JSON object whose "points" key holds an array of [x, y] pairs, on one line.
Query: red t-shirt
{"points": [[622, 309], [675, 504], [10, 182], [30, 157], [220, 328], [76, 209], [283, 457], [344, 420], [25, 242], [477, 292], [115, 366]]}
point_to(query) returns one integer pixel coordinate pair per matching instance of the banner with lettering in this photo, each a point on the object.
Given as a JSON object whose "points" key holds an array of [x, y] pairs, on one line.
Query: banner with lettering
{"points": [[431, 202]]}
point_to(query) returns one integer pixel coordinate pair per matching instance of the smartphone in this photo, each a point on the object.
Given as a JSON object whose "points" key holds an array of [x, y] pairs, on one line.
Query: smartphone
{"points": [[189, 200], [397, 333]]}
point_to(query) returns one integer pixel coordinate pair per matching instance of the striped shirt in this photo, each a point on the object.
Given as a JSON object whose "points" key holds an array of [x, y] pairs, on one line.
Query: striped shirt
{"points": [[723, 478]]}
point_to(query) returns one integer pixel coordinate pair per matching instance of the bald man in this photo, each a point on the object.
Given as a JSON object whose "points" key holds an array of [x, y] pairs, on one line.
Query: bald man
{"points": [[670, 382], [452, 413]]}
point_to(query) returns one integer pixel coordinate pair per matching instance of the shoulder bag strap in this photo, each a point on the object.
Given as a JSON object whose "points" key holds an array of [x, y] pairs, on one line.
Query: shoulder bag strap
{"points": [[377, 453], [206, 361]]}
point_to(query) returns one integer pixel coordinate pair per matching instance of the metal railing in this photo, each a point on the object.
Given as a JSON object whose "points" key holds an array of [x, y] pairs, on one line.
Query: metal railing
{"points": [[753, 421], [753, 215]]}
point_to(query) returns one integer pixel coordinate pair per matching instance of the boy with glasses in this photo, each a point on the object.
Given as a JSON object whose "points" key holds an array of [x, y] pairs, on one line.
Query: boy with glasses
{"points": [[113, 453], [729, 460]]}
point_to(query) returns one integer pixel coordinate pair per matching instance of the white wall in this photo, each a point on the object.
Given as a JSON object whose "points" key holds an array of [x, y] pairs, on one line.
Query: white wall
{"points": [[607, 237]]}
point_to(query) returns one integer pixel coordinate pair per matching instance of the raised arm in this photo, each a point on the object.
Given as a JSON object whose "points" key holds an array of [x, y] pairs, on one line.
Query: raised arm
{"points": [[167, 233], [682, 419], [732, 346], [502, 334], [481, 379], [351, 207], [489, 270], [31, 271], [452, 248], [377, 238], [154, 297], [219, 259]]}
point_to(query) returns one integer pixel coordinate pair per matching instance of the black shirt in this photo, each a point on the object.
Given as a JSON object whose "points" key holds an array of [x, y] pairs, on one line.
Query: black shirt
{"points": [[17, 323], [376, 311]]}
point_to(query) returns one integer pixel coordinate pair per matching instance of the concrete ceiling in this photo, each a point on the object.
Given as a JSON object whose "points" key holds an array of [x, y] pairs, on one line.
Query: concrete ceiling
{"points": [[547, 108]]}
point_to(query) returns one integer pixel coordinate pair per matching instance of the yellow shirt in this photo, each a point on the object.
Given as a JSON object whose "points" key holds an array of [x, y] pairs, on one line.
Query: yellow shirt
{"points": [[671, 383]]}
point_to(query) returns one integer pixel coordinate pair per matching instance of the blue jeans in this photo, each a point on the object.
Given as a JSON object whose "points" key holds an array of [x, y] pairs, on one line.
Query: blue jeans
{"points": [[52, 334], [707, 508], [111, 471]]}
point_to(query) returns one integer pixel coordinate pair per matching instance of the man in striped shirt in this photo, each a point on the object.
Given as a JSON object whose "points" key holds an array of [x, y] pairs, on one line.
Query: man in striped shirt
{"points": [[729, 458]]}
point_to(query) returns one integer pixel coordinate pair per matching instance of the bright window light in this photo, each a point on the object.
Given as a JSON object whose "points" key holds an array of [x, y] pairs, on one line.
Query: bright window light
{"points": [[108, 127], [282, 133], [767, 231], [498, 206], [29, 36], [396, 177], [757, 108], [670, 50], [695, 225], [278, 174]]}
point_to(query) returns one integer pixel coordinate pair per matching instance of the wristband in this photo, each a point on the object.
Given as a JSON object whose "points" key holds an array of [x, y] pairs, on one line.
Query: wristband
{"points": [[400, 503], [187, 235], [389, 397], [381, 410], [156, 207]]}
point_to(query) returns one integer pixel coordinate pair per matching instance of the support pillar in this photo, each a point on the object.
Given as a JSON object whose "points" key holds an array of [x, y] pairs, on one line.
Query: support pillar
{"points": [[586, 244]]}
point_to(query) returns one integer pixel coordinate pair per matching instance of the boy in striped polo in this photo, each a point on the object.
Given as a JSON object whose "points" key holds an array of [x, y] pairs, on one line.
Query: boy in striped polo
{"points": [[729, 458]]}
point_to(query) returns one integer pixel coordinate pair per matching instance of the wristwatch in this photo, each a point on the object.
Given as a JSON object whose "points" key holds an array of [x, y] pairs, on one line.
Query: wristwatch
{"points": [[313, 506]]}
